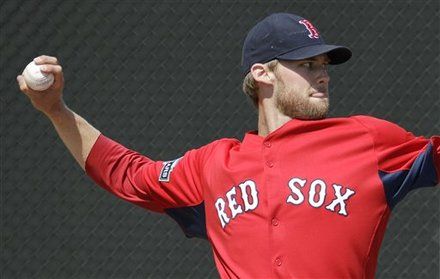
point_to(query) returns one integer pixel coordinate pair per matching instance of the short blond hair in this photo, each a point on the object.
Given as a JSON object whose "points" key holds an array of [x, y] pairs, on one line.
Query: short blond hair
{"points": [[250, 86]]}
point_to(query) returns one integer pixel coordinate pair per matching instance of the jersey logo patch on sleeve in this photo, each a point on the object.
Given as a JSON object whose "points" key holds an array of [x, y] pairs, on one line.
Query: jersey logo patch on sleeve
{"points": [[168, 166]]}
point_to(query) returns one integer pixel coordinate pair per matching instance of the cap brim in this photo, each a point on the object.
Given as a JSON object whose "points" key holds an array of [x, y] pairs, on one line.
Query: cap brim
{"points": [[336, 54]]}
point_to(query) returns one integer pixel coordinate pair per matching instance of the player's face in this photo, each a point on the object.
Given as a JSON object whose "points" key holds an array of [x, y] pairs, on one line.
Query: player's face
{"points": [[301, 88]]}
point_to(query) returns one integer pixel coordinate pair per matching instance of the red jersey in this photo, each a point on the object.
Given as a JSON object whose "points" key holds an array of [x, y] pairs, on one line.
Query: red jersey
{"points": [[310, 200]]}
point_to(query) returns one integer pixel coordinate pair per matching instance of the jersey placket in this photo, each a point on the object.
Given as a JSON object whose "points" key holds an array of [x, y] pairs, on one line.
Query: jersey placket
{"points": [[271, 183]]}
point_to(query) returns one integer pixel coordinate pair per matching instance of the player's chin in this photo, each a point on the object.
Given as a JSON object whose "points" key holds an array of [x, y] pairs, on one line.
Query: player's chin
{"points": [[316, 116], [320, 103], [318, 110]]}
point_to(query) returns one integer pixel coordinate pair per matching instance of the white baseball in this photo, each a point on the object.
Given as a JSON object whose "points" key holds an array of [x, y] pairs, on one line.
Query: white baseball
{"points": [[36, 79]]}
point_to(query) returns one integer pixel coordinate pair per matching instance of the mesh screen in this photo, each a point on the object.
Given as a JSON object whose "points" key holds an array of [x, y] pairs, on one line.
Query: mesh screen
{"points": [[162, 77]]}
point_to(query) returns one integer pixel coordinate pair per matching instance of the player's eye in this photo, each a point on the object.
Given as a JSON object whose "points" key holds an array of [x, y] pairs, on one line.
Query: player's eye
{"points": [[314, 66], [307, 65]]}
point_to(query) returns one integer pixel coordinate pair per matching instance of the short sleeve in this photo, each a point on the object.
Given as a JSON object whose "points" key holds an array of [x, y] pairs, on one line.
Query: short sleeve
{"points": [[405, 162], [154, 185]]}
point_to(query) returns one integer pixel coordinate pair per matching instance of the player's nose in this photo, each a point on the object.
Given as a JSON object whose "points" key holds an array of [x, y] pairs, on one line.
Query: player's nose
{"points": [[323, 76]]}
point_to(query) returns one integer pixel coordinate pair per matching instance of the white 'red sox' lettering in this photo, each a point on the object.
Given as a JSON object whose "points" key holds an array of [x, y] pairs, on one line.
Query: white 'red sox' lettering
{"points": [[235, 208], [220, 206], [340, 199], [296, 191], [249, 184], [312, 193], [229, 208], [250, 202]]}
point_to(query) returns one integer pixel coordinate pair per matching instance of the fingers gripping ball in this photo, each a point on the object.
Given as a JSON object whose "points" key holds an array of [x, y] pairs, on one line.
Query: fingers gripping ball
{"points": [[36, 79]]}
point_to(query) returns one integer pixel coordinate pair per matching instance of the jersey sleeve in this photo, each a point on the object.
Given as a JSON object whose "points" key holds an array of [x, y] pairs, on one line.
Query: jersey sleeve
{"points": [[405, 162], [154, 185]]}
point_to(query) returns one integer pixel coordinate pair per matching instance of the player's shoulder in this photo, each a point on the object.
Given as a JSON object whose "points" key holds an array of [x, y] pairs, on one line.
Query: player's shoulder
{"points": [[381, 128], [364, 122], [372, 122], [219, 144], [204, 152], [226, 144]]}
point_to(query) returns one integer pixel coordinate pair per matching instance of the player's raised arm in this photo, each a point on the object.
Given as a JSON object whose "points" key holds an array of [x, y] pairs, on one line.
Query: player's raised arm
{"points": [[125, 173], [76, 133]]}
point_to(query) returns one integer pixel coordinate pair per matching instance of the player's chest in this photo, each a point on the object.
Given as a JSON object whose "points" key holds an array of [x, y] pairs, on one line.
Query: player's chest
{"points": [[334, 184]]}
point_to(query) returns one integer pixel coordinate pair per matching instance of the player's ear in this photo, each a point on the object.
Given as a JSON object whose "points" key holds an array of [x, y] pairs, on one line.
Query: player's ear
{"points": [[262, 74]]}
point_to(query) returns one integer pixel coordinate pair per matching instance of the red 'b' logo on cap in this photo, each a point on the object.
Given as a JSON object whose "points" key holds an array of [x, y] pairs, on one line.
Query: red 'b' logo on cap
{"points": [[313, 32]]}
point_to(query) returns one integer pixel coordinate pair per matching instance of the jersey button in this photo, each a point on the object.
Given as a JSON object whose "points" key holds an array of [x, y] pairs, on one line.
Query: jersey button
{"points": [[267, 144], [269, 164], [275, 222], [278, 261]]}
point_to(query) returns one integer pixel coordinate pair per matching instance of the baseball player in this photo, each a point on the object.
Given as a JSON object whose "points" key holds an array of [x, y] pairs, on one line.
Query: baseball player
{"points": [[305, 196]]}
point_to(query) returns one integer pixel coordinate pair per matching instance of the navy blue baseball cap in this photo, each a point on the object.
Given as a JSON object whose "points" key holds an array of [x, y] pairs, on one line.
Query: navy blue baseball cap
{"points": [[286, 36]]}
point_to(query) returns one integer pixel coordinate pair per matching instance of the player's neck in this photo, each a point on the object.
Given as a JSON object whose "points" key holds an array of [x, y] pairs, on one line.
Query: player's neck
{"points": [[269, 118]]}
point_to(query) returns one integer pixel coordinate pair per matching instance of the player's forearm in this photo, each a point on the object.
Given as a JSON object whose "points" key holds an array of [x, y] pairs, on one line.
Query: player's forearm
{"points": [[76, 133]]}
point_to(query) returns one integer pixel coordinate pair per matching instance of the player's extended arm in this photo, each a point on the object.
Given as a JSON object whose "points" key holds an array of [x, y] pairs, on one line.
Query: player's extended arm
{"points": [[127, 174], [76, 133]]}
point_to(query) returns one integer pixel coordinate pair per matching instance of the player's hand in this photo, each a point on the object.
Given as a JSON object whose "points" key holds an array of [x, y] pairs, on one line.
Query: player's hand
{"points": [[50, 100]]}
